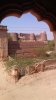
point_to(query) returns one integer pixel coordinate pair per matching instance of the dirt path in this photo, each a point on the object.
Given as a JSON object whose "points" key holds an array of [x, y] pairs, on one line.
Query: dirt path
{"points": [[41, 86]]}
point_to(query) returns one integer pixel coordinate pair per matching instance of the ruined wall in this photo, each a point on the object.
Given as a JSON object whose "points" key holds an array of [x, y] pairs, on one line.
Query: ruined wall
{"points": [[32, 37], [13, 36], [42, 37], [27, 46], [24, 49], [3, 42], [27, 37]]}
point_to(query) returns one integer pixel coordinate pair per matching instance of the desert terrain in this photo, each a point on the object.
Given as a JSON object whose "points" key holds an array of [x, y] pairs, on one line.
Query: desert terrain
{"points": [[39, 86]]}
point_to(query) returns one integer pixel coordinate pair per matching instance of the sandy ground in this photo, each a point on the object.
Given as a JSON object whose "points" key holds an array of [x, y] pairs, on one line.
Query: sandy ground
{"points": [[41, 86]]}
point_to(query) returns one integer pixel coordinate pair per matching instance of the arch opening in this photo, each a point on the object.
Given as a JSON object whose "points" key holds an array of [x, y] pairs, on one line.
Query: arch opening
{"points": [[44, 26], [38, 21]]}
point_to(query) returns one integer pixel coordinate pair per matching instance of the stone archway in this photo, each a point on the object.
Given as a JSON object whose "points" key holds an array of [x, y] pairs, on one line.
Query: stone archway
{"points": [[39, 18], [19, 8]]}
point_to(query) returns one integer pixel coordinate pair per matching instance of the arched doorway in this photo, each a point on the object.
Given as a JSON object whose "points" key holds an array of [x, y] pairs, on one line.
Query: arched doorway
{"points": [[34, 25], [40, 13]]}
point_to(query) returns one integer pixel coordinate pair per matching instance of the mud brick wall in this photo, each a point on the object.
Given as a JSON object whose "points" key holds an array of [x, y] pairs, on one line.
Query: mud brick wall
{"points": [[23, 49]]}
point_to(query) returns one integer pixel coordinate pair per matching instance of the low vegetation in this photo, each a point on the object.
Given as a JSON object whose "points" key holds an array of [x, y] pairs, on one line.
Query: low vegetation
{"points": [[20, 62], [23, 62]]}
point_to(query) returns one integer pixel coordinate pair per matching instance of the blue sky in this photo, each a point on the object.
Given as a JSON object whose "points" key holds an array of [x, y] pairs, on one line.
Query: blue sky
{"points": [[27, 23]]}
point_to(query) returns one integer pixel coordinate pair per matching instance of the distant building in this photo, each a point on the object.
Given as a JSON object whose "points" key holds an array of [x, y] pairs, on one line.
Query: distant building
{"points": [[42, 37], [13, 36], [31, 37], [27, 37]]}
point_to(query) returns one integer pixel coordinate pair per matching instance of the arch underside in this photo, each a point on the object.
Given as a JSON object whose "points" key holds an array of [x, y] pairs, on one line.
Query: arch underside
{"points": [[17, 9]]}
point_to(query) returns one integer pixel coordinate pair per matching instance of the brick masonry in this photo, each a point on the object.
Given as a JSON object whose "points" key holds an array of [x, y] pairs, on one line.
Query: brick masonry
{"points": [[24, 49]]}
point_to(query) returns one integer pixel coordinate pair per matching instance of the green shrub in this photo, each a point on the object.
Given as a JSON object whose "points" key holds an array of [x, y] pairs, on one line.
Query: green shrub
{"points": [[20, 62]]}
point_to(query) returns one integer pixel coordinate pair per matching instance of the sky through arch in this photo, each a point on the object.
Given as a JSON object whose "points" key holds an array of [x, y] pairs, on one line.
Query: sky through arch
{"points": [[27, 23]]}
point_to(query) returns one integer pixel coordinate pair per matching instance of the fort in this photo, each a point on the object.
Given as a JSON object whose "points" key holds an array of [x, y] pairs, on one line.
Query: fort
{"points": [[28, 37], [19, 44], [24, 44]]}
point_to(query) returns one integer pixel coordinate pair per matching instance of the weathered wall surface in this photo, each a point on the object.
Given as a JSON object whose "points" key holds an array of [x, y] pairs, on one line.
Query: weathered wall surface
{"points": [[14, 36], [3, 43], [24, 49]]}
